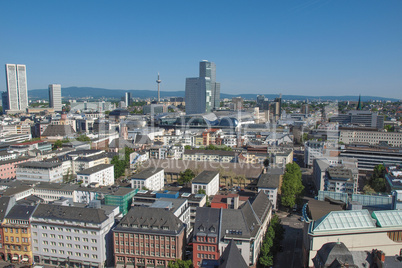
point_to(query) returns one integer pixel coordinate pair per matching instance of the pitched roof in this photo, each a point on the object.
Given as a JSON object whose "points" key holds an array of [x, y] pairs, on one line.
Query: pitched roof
{"points": [[262, 206], [269, 181], [20, 212], [70, 213], [207, 221], [58, 130], [345, 220], [231, 257], [205, 177], [5, 205], [251, 171], [388, 218], [334, 253], [150, 220]]}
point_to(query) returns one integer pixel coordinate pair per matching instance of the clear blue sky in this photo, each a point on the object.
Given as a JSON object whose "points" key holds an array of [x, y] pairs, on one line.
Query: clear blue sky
{"points": [[338, 47]]}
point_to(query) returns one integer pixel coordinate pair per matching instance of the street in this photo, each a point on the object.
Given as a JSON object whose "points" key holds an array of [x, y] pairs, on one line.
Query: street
{"points": [[291, 255]]}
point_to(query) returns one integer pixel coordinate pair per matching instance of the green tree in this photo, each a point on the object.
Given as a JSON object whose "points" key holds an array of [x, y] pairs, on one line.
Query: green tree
{"points": [[187, 147], [292, 186], [377, 181], [368, 190], [83, 137], [186, 176], [57, 144], [180, 264], [266, 162]]}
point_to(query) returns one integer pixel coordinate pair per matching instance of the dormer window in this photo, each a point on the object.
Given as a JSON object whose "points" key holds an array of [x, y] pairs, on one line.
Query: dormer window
{"points": [[212, 229]]}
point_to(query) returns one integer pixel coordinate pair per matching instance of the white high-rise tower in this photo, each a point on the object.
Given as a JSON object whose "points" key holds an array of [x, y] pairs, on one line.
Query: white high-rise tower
{"points": [[55, 97], [17, 91]]}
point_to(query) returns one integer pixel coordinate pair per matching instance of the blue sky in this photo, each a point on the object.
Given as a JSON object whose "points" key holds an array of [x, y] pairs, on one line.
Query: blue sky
{"points": [[338, 47]]}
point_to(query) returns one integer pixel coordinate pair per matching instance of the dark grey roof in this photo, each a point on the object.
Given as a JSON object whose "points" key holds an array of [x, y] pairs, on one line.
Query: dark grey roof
{"points": [[57, 186], [150, 220], [40, 165], [340, 172], [146, 173], [331, 253], [22, 158], [205, 177], [20, 212], [84, 152], [6, 204], [91, 158], [262, 206], [210, 152], [234, 224], [119, 112], [269, 181], [207, 221], [58, 130], [231, 257], [70, 213], [122, 143], [94, 169], [142, 139]]}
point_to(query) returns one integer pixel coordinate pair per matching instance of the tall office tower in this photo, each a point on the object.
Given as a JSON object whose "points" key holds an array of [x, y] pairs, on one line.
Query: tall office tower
{"points": [[16, 78], [55, 97], [158, 81], [278, 107], [128, 99], [203, 92]]}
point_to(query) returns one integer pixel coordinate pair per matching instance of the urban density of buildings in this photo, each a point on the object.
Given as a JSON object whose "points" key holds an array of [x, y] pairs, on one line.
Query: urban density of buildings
{"points": [[144, 182]]}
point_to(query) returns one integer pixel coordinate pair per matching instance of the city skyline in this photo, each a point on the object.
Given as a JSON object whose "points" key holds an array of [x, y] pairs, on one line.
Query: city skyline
{"points": [[311, 48]]}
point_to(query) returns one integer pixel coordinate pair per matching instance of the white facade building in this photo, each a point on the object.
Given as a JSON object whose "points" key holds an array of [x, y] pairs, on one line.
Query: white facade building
{"points": [[72, 236], [207, 181], [40, 171], [151, 178], [17, 92], [101, 174], [55, 97]]}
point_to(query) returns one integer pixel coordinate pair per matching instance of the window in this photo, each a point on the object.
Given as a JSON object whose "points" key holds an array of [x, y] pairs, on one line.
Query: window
{"points": [[85, 239], [93, 240], [94, 256], [78, 254], [77, 246], [76, 238], [86, 247], [61, 252], [46, 250]]}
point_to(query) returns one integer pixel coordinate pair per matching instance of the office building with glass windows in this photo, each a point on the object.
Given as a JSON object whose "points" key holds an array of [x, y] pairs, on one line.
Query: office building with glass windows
{"points": [[17, 92], [203, 92]]}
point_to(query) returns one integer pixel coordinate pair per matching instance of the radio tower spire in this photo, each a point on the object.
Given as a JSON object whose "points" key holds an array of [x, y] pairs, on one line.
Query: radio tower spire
{"points": [[158, 81]]}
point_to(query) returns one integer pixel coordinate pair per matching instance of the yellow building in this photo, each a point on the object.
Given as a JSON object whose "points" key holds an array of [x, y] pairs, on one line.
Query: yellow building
{"points": [[17, 234]]}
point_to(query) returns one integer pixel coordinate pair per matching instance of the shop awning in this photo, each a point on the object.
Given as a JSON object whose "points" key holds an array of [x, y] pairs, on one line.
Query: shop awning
{"points": [[15, 258], [53, 258], [25, 259]]}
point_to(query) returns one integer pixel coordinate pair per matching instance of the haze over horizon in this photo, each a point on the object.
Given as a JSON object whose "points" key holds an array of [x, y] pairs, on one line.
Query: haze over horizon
{"points": [[313, 48]]}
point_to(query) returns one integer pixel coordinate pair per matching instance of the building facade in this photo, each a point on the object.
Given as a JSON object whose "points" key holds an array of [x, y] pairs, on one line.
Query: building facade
{"points": [[17, 91], [148, 237], [151, 178], [101, 175], [40, 171], [55, 97]]}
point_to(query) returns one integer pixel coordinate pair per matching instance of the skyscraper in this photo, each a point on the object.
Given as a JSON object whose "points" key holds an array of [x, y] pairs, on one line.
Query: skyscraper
{"points": [[17, 92], [203, 92], [128, 99], [55, 97]]}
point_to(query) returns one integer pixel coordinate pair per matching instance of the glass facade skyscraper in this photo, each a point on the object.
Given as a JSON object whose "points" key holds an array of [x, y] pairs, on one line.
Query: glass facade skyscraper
{"points": [[17, 92], [203, 92], [55, 97]]}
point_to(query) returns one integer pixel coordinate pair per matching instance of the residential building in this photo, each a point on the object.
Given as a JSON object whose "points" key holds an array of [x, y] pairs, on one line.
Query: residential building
{"points": [[312, 150], [203, 92], [40, 171], [246, 227], [210, 155], [151, 178], [6, 203], [99, 175], [207, 181], [17, 91], [228, 201], [73, 236], [17, 234], [8, 167], [148, 237], [87, 161], [146, 198], [206, 235], [55, 97], [339, 179], [270, 183]]}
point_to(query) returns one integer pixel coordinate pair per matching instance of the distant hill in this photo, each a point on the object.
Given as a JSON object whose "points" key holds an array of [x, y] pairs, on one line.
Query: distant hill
{"points": [[81, 92]]}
